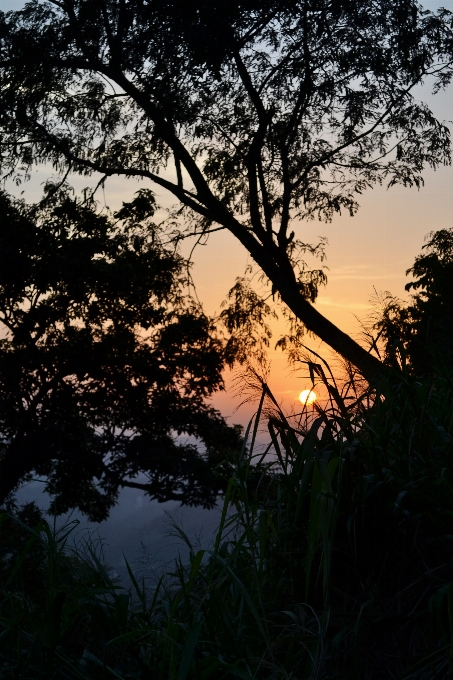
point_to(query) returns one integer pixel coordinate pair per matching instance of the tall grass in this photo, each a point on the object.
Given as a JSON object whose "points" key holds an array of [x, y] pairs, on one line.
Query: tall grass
{"points": [[333, 559]]}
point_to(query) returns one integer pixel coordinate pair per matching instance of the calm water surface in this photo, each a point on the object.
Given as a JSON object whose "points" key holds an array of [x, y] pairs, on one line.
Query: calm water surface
{"points": [[139, 529]]}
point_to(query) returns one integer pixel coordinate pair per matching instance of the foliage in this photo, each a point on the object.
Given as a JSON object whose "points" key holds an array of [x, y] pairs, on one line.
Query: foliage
{"points": [[245, 316], [254, 114], [336, 562], [423, 328], [106, 359]]}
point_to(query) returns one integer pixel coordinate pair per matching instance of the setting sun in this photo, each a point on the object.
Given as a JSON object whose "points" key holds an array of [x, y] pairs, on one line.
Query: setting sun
{"points": [[307, 397]]}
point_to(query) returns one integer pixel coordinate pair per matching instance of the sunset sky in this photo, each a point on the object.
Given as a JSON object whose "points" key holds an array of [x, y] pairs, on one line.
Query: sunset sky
{"points": [[368, 252]]}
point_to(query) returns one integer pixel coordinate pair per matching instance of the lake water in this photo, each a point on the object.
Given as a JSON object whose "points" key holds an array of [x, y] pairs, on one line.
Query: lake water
{"points": [[138, 528]]}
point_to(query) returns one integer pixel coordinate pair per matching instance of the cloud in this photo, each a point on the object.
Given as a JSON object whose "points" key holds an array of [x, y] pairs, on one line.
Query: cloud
{"points": [[328, 302]]}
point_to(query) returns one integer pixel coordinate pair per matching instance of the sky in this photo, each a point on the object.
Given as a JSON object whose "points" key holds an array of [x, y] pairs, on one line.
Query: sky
{"points": [[367, 253]]}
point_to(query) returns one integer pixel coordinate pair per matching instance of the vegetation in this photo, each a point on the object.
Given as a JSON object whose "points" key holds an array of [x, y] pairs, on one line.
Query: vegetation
{"points": [[253, 115], [334, 556], [104, 358], [423, 328], [336, 562]]}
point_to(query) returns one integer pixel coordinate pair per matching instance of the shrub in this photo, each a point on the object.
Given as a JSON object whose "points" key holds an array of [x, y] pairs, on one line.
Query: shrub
{"points": [[333, 558]]}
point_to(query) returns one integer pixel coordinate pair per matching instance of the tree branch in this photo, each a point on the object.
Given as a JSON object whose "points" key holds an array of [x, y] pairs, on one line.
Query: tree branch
{"points": [[326, 157], [254, 153]]}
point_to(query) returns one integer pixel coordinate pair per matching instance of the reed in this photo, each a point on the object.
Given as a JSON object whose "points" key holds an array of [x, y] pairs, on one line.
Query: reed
{"points": [[333, 559]]}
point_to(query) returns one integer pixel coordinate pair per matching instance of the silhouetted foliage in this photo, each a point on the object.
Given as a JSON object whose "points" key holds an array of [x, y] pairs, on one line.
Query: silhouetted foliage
{"points": [[262, 113], [15, 547], [335, 564], [423, 328], [104, 359]]}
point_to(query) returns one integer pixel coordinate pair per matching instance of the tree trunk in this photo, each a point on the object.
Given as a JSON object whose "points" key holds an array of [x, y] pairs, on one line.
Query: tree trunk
{"points": [[284, 281], [369, 366]]}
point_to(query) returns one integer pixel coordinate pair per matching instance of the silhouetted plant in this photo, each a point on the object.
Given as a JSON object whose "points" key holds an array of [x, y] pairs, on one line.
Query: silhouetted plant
{"points": [[336, 562], [419, 333], [252, 115], [104, 359]]}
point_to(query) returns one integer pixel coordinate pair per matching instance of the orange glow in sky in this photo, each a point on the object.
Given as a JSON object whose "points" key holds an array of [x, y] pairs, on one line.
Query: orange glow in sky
{"points": [[367, 254]]}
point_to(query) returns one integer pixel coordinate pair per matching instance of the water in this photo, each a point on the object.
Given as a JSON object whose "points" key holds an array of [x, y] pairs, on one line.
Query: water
{"points": [[139, 529]]}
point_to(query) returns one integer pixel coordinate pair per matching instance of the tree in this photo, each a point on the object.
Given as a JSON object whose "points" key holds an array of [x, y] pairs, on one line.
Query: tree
{"points": [[254, 114], [423, 328], [106, 359]]}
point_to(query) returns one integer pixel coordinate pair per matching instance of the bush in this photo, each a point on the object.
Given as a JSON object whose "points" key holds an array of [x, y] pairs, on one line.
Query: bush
{"points": [[333, 559], [423, 328]]}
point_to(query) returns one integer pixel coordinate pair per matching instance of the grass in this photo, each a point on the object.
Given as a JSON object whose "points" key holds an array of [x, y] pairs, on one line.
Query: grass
{"points": [[333, 559]]}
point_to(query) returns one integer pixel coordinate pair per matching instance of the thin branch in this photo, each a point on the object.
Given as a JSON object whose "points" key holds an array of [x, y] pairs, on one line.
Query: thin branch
{"points": [[101, 183], [183, 195], [354, 140], [223, 132], [254, 153], [149, 489], [277, 66], [108, 30], [264, 197], [55, 188], [196, 233], [250, 88], [178, 172]]}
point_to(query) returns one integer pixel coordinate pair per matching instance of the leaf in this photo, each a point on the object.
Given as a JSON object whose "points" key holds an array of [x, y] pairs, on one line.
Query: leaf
{"points": [[188, 651]]}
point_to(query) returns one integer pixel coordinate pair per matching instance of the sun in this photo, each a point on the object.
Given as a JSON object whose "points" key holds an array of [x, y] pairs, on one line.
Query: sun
{"points": [[307, 397]]}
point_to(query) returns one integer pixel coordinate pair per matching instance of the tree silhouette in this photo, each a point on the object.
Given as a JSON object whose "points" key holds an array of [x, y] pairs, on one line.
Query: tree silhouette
{"points": [[423, 328], [104, 359], [255, 115]]}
